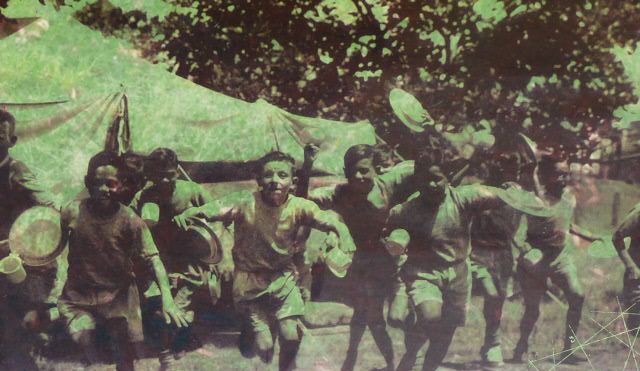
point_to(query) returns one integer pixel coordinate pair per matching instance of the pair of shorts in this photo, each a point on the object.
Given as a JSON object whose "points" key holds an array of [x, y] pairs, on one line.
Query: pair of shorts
{"points": [[284, 302], [449, 285], [534, 280], [494, 264], [372, 273], [125, 305]]}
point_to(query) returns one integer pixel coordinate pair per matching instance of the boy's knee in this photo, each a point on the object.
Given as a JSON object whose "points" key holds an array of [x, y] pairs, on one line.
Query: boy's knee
{"points": [[263, 341], [289, 330], [84, 338], [430, 312], [32, 321], [80, 325], [398, 312], [575, 299]]}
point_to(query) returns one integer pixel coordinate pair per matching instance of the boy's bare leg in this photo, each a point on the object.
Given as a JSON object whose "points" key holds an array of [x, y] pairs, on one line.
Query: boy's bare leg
{"points": [[290, 338], [440, 333], [378, 328], [399, 310], [356, 331], [414, 339], [440, 340], [87, 341], [369, 311], [264, 345], [569, 282], [82, 329], [492, 311], [533, 290], [125, 350]]}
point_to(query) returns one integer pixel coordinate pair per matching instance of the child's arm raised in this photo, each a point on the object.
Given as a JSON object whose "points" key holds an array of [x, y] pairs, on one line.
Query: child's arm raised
{"points": [[327, 222], [211, 211]]}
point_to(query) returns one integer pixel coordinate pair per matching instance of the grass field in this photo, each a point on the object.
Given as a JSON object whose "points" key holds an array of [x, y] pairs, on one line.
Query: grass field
{"points": [[324, 349]]}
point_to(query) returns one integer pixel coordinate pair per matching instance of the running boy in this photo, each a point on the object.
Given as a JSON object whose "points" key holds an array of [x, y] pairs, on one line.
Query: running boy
{"points": [[363, 203], [630, 227], [104, 237], [266, 223], [437, 269], [494, 236], [19, 191], [551, 257], [166, 197]]}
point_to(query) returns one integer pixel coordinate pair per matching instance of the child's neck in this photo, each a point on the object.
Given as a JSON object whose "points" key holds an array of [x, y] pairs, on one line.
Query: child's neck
{"points": [[269, 203], [103, 211]]}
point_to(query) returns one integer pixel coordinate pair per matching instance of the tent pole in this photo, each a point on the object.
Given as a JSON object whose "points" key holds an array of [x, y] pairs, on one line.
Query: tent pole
{"points": [[184, 173]]}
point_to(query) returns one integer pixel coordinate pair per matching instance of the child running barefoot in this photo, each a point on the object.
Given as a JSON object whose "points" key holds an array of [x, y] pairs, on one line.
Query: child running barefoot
{"points": [[266, 223]]}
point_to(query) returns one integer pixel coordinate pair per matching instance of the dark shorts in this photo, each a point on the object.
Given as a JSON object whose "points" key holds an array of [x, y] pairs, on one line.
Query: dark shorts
{"points": [[278, 304], [534, 281], [495, 264], [447, 285], [372, 273], [126, 305]]}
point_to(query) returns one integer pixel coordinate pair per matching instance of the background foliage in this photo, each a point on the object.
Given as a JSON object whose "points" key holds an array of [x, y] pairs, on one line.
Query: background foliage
{"points": [[544, 67]]}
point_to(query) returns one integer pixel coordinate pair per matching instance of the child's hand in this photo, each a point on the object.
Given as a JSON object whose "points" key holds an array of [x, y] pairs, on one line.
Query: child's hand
{"points": [[174, 314], [181, 220], [226, 267]]}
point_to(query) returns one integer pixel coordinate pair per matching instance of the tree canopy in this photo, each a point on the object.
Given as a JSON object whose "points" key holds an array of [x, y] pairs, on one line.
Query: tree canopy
{"points": [[543, 67]]}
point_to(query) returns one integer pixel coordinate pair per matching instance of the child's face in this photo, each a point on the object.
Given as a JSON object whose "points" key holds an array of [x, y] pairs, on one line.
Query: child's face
{"points": [[164, 180], [360, 176], [275, 181], [104, 185], [433, 181], [556, 179], [7, 136]]}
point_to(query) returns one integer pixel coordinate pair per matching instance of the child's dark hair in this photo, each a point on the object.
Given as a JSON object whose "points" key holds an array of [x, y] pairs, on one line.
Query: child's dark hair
{"points": [[435, 150], [547, 164], [104, 158], [382, 153], [132, 166], [5, 116], [356, 153], [271, 157], [162, 158]]}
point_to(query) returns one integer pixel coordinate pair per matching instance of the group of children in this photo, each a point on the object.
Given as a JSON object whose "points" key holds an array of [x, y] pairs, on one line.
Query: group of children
{"points": [[404, 233]]}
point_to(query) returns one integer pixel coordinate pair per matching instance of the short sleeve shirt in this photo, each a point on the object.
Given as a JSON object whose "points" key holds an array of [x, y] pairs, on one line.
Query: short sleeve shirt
{"points": [[366, 216], [440, 235], [266, 236], [550, 234], [101, 252], [496, 229], [185, 195]]}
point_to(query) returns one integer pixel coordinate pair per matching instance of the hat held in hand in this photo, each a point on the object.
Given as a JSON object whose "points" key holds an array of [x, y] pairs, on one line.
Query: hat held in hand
{"points": [[202, 241]]}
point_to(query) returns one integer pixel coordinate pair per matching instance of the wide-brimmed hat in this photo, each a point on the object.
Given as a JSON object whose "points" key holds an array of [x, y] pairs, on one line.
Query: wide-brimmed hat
{"points": [[409, 110], [202, 241], [36, 236]]}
